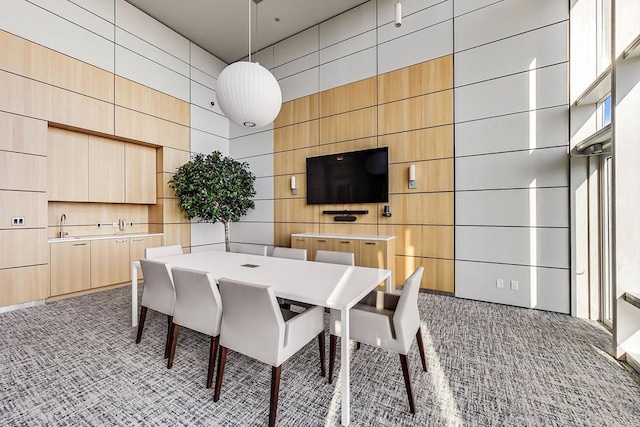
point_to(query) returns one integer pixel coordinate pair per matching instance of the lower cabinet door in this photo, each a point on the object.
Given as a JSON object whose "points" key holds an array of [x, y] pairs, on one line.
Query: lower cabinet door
{"points": [[70, 265], [137, 246], [109, 262]]}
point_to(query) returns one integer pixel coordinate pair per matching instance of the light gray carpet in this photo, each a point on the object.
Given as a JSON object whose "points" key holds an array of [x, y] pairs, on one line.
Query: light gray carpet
{"points": [[74, 362]]}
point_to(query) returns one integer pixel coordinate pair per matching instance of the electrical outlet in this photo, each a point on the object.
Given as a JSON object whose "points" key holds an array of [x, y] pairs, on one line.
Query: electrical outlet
{"points": [[130, 224], [98, 225], [499, 283], [514, 285], [17, 221]]}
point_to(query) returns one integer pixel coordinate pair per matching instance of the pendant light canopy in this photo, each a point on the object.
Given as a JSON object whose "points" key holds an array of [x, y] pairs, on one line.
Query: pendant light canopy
{"points": [[248, 94]]}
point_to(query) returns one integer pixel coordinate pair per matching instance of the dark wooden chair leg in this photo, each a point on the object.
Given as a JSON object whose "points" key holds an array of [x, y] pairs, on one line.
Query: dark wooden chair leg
{"points": [[212, 359], [421, 348], [169, 331], [172, 348], [321, 344], [275, 390], [222, 359], [143, 316], [358, 345], [333, 339], [407, 381]]}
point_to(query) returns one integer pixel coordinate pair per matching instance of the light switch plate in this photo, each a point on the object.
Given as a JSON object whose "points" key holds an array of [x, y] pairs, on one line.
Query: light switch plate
{"points": [[514, 285]]}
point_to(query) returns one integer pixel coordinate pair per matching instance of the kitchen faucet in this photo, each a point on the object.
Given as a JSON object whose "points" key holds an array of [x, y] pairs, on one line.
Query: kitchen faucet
{"points": [[63, 221]]}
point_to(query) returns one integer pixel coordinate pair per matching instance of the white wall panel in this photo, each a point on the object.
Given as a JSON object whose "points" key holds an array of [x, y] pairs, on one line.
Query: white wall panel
{"points": [[541, 288], [148, 29], [205, 143], [296, 66], [262, 213], [520, 131], [206, 62], [149, 51], [146, 72], [299, 85], [387, 8], [202, 96], [583, 42], [264, 188], [349, 46], [416, 21], [296, 46], [78, 15], [203, 78], [29, 21], [505, 19], [251, 145], [513, 94], [210, 122], [349, 69], [261, 166], [237, 131], [538, 207], [252, 232], [543, 247], [465, 6], [102, 8], [423, 45], [546, 167], [203, 233], [535, 49], [349, 24]]}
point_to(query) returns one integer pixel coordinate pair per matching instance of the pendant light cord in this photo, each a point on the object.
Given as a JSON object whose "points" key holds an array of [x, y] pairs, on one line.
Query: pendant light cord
{"points": [[250, 30]]}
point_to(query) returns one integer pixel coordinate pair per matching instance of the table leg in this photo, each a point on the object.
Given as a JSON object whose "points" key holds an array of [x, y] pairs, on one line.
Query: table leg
{"points": [[344, 357], [387, 284], [134, 295]]}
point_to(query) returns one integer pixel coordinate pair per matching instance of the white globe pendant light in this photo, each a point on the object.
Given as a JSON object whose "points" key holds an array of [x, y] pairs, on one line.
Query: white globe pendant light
{"points": [[248, 94]]}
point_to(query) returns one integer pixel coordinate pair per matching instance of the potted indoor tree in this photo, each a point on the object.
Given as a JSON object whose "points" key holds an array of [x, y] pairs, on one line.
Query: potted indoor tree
{"points": [[214, 188]]}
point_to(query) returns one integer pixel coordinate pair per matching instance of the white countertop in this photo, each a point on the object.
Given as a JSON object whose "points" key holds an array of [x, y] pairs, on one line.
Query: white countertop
{"points": [[100, 237], [344, 236]]}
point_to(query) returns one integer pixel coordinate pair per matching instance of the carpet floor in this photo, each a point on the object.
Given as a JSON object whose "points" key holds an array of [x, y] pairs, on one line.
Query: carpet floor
{"points": [[74, 362]]}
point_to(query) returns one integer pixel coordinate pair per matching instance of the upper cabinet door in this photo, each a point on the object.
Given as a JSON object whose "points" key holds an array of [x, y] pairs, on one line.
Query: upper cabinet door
{"points": [[140, 175], [106, 170], [67, 164]]}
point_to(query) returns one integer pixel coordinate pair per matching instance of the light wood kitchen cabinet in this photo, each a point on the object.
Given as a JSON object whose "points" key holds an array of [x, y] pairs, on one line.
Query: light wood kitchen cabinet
{"points": [[70, 265], [106, 170], [369, 251], [110, 262], [137, 245], [140, 174], [68, 170]]}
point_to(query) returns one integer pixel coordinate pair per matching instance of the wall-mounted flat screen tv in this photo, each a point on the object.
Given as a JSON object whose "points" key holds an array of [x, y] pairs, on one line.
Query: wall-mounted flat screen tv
{"points": [[353, 177]]}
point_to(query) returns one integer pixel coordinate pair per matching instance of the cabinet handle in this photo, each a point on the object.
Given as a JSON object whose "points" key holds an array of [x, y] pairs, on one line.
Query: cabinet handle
{"points": [[122, 241], [79, 244], [301, 240], [322, 241], [345, 241], [138, 240], [369, 243]]}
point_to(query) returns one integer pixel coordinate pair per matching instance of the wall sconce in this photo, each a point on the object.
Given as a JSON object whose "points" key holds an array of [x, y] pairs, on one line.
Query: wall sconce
{"points": [[412, 177], [294, 190]]}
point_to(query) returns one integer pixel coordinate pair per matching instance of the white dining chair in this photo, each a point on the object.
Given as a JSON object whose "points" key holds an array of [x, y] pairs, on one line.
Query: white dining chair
{"points": [[255, 326], [387, 321], [244, 248], [198, 307], [290, 253], [335, 257], [163, 251], [158, 294]]}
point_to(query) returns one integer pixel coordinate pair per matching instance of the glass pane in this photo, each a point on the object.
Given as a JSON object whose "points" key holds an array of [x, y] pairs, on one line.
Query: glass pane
{"points": [[606, 112]]}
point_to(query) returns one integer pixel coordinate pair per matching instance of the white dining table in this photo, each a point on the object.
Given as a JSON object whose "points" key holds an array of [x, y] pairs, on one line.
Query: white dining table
{"points": [[334, 286]]}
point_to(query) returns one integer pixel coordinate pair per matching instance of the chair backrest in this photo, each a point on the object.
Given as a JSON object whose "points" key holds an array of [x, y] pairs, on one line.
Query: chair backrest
{"points": [[291, 253], [162, 251], [198, 303], [159, 293], [245, 248], [252, 323], [406, 318], [335, 257]]}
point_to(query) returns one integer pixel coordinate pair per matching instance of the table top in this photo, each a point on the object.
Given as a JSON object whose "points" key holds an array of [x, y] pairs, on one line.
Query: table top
{"points": [[317, 283]]}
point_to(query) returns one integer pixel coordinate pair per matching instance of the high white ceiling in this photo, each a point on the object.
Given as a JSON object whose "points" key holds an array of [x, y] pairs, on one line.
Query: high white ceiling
{"points": [[222, 26]]}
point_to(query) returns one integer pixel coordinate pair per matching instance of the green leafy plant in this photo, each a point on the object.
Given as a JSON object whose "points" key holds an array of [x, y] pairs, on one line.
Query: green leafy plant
{"points": [[214, 188]]}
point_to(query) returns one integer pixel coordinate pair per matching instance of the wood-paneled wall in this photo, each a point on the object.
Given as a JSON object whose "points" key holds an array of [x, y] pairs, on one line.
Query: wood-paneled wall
{"points": [[411, 112], [43, 89]]}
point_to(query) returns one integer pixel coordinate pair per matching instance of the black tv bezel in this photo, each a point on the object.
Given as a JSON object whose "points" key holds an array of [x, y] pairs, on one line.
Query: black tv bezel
{"points": [[376, 149]]}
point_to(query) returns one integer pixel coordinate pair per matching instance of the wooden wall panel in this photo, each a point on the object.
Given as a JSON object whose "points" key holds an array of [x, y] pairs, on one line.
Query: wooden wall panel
{"points": [[177, 234], [297, 111], [419, 79], [140, 174], [143, 127], [106, 170], [431, 176], [20, 285], [68, 165], [348, 228], [369, 218], [36, 62], [135, 96], [162, 185], [32, 245], [425, 111], [22, 134], [421, 240], [28, 204], [171, 159], [283, 231], [354, 96], [296, 136], [22, 172], [82, 218], [294, 210], [341, 147], [351, 125], [438, 273], [292, 161], [171, 213], [282, 186], [421, 208], [423, 144]]}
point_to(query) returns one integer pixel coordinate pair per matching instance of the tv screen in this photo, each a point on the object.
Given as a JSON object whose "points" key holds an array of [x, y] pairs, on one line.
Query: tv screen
{"points": [[354, 177]]}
